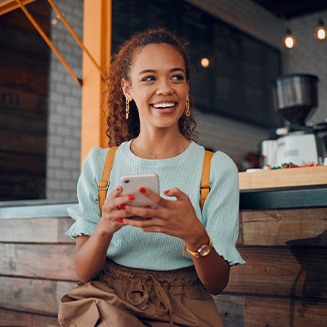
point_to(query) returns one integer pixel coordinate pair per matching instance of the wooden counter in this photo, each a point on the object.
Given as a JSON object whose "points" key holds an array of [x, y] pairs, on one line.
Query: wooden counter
{"points": [[282, 238], [284, 189], [292, 177]]}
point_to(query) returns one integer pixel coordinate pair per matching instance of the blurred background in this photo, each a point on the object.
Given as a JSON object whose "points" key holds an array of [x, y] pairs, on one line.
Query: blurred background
{"points": [[236, 52]]}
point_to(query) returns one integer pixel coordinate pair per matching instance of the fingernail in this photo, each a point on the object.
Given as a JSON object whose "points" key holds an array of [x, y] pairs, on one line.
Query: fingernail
{"points": [[166, 192], [142, 190], [122, 207], [118, 188], [131, 197], [147, 207], [120, 220]]}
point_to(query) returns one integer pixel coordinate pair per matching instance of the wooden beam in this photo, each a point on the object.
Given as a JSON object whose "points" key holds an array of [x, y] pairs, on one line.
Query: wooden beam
{"points": [[97, 38], [10, 5]]}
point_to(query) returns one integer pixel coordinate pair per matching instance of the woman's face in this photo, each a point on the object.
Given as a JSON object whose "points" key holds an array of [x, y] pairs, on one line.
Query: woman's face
{"points": [[158, 85]]}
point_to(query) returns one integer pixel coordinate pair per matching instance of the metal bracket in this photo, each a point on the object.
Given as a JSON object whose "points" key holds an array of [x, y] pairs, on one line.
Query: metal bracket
{"points": [[10, 5]]}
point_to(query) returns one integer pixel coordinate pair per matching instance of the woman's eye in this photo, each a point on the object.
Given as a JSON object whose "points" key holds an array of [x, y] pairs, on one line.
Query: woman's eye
{"points": [[148, 79], [178, 77]]}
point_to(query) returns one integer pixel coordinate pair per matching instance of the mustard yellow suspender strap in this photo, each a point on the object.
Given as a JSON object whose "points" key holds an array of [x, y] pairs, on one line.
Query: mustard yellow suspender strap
{"points": [[205, 180], [104, 182]]}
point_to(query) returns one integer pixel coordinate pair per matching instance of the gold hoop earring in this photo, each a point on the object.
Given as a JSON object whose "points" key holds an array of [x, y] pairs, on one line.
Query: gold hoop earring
{"points": [[127, 109], [187, 107]]}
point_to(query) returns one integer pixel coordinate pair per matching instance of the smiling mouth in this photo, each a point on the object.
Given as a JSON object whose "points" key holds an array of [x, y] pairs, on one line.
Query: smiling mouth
{"points": [[166, 105]]}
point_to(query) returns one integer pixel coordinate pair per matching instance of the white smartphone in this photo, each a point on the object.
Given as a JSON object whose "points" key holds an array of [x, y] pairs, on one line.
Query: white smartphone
{"points": [[131, 185]]}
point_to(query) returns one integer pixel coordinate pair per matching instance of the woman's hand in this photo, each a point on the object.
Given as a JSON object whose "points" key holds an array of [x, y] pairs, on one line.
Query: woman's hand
{"points": [[91, 251], [112, 216], [175, 218]]}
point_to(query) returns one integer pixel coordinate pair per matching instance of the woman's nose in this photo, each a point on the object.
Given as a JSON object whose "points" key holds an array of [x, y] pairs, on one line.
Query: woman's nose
{"points": [[164, 88]]}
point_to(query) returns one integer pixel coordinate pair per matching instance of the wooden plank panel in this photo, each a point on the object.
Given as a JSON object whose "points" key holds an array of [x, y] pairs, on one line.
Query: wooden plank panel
{"points": [[21, 79], [38, 261], [17, 60], [16, 119], [35, 230], [22, 319], [24, 187], [18, 41], [17, 18], [32, 295], [231, 309], [18, 99], [25, 143], [17, 163], [299, 271], [283, 178], [276, 312], [276, 228]]}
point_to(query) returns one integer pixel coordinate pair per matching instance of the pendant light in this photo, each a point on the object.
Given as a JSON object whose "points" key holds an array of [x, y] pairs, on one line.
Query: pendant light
{"points": [[289, 40], [320, 31]]}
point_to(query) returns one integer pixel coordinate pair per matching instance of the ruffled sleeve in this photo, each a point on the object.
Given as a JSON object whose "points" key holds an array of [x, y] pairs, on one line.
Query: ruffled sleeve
{"points": [[221, 208], [87, 212]]}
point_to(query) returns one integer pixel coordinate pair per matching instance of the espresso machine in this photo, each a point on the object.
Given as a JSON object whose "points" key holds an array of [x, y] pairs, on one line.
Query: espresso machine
{"points": [[295, 99]]}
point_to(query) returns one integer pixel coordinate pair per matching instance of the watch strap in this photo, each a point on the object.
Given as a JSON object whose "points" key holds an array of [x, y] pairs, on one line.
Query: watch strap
{"points": [[196, 254]]}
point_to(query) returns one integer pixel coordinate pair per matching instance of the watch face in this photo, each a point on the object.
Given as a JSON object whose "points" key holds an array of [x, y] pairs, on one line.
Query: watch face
{"points": [[205, 250]]}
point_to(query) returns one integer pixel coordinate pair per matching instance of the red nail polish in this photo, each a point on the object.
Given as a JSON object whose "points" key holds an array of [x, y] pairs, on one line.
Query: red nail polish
{"points": [[142, 190], [131, 197], [166, 192], [147, 207], [120, 220], [122, 207]]}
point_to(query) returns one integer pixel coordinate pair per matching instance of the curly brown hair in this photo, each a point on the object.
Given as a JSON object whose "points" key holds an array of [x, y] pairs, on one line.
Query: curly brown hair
{"points": [[119, 129]]}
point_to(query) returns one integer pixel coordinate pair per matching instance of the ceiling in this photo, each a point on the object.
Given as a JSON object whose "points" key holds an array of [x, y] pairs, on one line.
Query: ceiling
{"points": [[292, 8]]}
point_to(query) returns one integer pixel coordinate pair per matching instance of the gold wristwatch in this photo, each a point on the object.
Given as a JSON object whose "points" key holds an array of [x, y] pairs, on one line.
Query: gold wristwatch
{"points": [[202, 251]]}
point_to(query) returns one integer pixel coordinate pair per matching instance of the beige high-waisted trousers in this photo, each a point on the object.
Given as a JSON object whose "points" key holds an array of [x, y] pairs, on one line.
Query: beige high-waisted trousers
{"points": [[126, 297]]}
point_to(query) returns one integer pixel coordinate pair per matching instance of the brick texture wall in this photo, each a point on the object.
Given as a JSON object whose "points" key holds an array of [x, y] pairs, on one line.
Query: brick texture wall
{"points": [[233, 137], [64, 118], [309, 56]]}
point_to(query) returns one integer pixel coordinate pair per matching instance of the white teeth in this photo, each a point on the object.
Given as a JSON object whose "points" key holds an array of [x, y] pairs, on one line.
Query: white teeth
{"points": [[164, 105]]}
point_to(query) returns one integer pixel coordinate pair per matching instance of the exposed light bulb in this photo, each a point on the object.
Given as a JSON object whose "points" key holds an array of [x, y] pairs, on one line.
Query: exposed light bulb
{"points": [[289, 40], [320, 32], [205, 62]]}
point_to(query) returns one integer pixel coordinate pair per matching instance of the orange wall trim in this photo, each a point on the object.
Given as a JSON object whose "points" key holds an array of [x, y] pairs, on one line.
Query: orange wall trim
{"points": [[97, 39]]}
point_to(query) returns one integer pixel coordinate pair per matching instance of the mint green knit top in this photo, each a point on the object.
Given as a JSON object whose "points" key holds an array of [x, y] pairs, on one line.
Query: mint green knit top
{"points": [[131, 246]]}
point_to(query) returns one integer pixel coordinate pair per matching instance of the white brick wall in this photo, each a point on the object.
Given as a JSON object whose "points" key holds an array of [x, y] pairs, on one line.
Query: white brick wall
{"points": [[309, 56], [64, 118]]}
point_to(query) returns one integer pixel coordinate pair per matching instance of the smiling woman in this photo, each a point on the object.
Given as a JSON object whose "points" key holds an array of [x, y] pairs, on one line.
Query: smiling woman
{"points": [[134, 272]]}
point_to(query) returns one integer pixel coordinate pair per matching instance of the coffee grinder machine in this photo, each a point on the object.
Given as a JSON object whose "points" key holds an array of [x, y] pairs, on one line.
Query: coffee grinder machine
{"points": [[295, 99]]}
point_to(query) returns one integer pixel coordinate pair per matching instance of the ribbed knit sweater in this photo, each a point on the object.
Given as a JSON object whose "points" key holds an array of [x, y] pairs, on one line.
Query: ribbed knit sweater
{"points": [[131, 246]]}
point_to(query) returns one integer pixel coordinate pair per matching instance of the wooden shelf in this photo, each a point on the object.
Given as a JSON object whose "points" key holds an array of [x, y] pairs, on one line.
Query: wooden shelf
{"points": [[283, 178]]}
